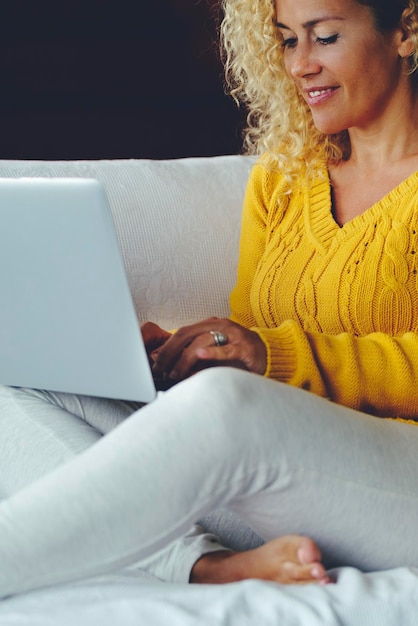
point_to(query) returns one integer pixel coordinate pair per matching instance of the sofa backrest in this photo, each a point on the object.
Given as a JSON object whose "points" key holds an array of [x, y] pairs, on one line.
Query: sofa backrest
{"points": [[178, 225]]}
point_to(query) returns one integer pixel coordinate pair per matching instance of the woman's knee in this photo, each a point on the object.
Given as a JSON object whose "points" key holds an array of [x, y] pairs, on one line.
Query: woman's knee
{"points": [[225, 380], [223, 388], [221, 399], [241, 404]]}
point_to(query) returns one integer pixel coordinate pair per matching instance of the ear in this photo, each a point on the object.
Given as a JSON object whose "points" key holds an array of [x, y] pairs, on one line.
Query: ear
{"points": [[406, 48], [406, 45]]}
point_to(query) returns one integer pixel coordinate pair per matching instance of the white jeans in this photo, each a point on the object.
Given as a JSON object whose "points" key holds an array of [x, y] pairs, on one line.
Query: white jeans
{"points": [[283, 459]]}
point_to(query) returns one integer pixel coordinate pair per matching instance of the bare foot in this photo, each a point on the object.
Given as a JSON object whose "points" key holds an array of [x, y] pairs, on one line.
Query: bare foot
{"points": [[291, 559]]}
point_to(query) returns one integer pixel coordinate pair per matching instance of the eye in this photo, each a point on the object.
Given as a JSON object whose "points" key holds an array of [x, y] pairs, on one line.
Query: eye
{"points": [[326, 41], [290, 42]]}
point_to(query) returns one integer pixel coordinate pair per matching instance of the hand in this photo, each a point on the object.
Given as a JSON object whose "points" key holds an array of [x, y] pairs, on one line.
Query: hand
{"points": [[154, 337], [192, 348]]}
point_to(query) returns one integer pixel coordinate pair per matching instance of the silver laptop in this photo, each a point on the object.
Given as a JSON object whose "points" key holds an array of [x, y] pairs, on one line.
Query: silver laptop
{"points": [[67, 319]]}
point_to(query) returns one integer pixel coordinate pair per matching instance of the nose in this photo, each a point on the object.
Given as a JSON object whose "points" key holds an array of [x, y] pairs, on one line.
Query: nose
{"points": [[302, 61]]}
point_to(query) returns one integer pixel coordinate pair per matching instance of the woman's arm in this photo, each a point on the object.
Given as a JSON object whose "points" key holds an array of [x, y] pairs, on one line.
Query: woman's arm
{"points": [[376, 373]]}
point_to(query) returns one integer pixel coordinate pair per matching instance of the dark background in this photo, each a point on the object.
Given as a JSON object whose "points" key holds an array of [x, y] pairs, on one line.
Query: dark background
{"points": [[93, 79]]}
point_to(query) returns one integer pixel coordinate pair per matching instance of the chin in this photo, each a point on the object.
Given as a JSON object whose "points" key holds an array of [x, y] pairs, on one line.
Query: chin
{"points": [[329, 124], [328, 128]]}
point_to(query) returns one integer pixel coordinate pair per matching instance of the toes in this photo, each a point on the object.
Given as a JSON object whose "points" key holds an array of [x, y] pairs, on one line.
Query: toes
{"points": [[305, 566], [308, 551], [290, 559], [319, 574], [312, 573]]}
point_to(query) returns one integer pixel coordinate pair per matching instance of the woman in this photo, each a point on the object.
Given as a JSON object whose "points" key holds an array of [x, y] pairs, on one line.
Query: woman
{"points": [[322, 343]]}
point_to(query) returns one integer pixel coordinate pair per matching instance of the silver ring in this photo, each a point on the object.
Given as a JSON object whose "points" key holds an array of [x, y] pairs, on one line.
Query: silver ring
{"points": [[219, 338]]}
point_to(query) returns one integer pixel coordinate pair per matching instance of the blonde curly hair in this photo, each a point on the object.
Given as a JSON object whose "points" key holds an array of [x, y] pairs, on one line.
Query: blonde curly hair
{"points": [[279, 121]]}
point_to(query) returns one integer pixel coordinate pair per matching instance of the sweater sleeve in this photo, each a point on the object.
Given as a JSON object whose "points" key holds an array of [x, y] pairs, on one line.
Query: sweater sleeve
{"points": [[376, 373]]}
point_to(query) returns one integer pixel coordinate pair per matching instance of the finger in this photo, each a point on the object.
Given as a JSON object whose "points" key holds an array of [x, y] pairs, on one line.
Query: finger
{"points": [[239, 351], [153, 335], [149, 330], [188, 362], [228, 352], [195, 359], [166, 356], [179, 341], [237, 354]]}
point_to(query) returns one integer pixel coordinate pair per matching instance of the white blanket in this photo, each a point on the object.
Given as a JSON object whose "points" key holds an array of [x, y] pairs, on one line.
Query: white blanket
{"points": [[379, 599]]}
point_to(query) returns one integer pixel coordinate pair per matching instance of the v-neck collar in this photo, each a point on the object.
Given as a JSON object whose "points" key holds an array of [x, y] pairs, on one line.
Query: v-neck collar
{"points": [[320, 222]]}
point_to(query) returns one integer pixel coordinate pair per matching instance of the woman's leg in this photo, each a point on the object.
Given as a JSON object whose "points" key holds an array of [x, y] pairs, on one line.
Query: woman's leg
{"points": [[40, 430], [285, 460]]}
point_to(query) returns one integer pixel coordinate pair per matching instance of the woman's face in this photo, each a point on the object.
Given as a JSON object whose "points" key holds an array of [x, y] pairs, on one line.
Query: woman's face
{"points": [[350, 74]]}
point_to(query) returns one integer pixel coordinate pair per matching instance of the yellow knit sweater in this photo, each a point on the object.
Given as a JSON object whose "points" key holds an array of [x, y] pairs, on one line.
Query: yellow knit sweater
{"points": [[337, 307]]}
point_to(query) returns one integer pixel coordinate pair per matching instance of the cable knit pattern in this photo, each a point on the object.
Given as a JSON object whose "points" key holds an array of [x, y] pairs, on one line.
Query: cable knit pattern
{"points": [[337, 307]]}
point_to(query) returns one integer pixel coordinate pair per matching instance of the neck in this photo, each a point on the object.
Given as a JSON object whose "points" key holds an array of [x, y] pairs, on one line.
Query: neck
{"points": [[388, 141]]}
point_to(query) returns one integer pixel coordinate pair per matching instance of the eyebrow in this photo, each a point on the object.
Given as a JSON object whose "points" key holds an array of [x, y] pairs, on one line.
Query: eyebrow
{"points": [[312, 23]]}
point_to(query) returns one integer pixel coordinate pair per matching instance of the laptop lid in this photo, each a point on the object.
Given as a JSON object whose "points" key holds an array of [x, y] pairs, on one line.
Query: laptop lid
{"points": [[67, 319]]}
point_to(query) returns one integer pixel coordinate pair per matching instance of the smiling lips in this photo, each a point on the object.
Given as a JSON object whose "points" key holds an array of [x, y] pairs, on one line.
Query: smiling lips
{"points": [[318, 95]]}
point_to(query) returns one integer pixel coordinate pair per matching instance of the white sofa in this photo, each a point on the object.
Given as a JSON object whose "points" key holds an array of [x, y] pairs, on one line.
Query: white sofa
{"points": [[178, 225]]}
